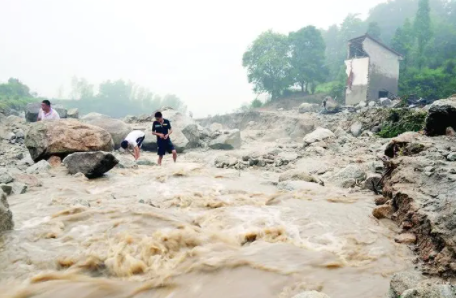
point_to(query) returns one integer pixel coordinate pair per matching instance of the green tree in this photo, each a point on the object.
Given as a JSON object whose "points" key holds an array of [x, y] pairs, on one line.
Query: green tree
{"points": [[256, 103], [423, 29], [268, 64], [81, 88], [374, 30], [403, 42], [307, 57]]}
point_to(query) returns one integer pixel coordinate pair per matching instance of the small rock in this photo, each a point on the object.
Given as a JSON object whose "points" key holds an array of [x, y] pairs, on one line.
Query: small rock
{"points": [[5, 177], [19, 188], [19, 156], [10, 136], [380, 200], [6, 189], [39, 167], [384, 211], [372, 104], [19, 134], [91, 164], [356, 129], [372, 182], [452, 171], [55, 161], [401, 282], [452, 156], [406, 238], [142, 201]]}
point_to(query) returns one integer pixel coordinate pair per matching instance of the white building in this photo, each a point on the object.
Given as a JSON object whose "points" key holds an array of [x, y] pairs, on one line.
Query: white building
{"points": [[372, 70]]}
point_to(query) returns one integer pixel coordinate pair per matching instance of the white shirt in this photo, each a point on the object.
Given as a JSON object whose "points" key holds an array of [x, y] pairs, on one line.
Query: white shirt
{"points": [[133, 136], [52, 115]]}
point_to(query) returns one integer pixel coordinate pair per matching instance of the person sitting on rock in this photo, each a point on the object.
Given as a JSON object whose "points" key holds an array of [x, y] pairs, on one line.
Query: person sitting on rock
{"points": [[46, 112], [162, 129], [134, 140]]}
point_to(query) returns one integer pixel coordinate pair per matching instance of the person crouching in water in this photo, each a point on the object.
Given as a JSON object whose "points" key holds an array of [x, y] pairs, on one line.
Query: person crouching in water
{"points": [[162, 129], [134, 140]]}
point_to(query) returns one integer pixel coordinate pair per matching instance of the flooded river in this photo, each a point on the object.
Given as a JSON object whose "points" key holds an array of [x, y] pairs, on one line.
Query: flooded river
{"points": [[190, 230]]}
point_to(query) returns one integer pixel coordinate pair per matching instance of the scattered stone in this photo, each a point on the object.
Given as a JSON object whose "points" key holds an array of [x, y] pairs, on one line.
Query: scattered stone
{"points": [[361, 104], [47, 138], [55, 161], [381, 200], [372, 104], [126, 163], [441, 115], [431, 291], [5, 176], [308, 108], [297, 175], [31, 111], [385, 102], [450, 132], [91, 164], [227, 141], [29, 180], [73, 113], [331, 105], [63, 113], [8, 189], [291, 185], [39, 167], [311, 294], [348, 176], [384, 211], [19, 156], [19, 188], [10, 137], [225, 161], [406, 238], [401, 282], [372, 181], [317, 135], [452, 156], [6, 217], [356, 129]]}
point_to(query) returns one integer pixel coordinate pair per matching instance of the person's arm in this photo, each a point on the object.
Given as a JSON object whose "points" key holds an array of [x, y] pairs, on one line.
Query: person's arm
{"points": [[39, 116], [170, 130], [160, 135], [136, 152]]}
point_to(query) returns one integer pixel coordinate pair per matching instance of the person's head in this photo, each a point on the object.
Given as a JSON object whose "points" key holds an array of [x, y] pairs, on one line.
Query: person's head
{"points": [[46, 105], [158, 116], [124, 144]]}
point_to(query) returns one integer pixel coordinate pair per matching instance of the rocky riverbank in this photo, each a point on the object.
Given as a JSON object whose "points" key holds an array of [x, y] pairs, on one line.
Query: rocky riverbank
{"points": [[294, 192]]}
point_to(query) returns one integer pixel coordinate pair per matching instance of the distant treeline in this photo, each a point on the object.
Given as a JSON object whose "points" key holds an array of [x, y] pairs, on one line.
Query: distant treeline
{"points": [[118, 99], [114, 98], [423, 31]]}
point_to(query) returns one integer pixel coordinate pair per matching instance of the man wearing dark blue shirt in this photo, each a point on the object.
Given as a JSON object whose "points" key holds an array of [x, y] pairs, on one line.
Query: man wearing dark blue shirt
{"points": [[162, 129]]}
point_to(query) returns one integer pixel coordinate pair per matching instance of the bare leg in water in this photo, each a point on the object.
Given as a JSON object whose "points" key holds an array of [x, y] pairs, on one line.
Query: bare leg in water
{"points": [[160, 157], [174, 155]]}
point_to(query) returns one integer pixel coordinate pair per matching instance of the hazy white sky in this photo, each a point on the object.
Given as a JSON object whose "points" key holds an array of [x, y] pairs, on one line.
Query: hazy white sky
{"points": [[192, 48]]}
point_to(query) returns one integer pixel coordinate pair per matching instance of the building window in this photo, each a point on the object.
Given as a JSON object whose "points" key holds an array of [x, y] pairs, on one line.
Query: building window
{"points": [[382, 94]]}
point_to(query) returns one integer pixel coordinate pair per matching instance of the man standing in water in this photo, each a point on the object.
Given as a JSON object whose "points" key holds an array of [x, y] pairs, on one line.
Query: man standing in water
{"points": [[134, 140], [46, 112], [162, 129]]}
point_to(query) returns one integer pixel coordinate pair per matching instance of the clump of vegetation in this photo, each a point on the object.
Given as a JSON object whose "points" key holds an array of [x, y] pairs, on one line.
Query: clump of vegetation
{"points": [[15, 95], [402, 120]]}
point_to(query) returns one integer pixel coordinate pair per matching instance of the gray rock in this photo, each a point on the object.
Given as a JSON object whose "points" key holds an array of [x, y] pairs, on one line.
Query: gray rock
{"points": [[91, 164], [10, 137], [356, 129], [73, 113], [31, 111], [441, 115], [291, 185], [348, 176], [452, 156], [319, 134], [116, 128], [311, 294], [63, 113], [361, 104], [372, 104], [332, 106], [400, 282], [227, 141], [308, 108], [94, 116], [39, 167], [433, 291], [126, 163], [372, 181], [225, 161], [297, 175], [5, 176], [385, 102], [6, 217], [8, 189], [19, 188], [19, 134]]}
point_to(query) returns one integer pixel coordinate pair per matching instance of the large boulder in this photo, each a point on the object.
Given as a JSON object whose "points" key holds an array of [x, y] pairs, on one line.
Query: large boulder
{"points": [[308, 108], [6, 217], [116, 128], [185, 135], [91, 164], [349, 176], [319, 134], [31, 111], [441, 115], [228, 140], [47, 138], [63, 113]]}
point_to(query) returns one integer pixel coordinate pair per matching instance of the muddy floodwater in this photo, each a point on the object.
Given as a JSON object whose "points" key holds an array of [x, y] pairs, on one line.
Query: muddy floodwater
{"points": [[190, 230]]}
